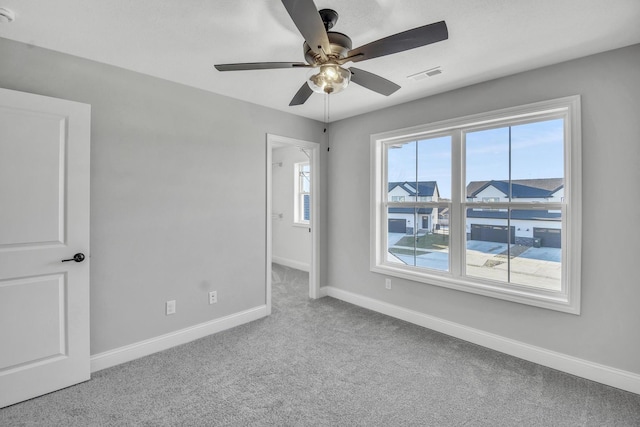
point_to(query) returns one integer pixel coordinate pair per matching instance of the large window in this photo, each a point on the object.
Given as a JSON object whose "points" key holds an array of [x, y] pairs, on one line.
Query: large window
{"points": [[488, 204], [302, 202]]}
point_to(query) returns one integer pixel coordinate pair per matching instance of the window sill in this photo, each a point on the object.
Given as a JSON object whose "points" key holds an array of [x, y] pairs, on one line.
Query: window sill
{"points": [[515, 293], [302, 224]]}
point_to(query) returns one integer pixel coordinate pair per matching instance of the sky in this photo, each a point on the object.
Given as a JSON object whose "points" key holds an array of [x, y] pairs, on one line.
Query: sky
{"points": [[536, 152]]}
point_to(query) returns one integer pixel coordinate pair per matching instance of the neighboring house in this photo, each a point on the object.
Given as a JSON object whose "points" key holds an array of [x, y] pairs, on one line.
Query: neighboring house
{"points": [[528, 227], [405, 220], [443, 215]]}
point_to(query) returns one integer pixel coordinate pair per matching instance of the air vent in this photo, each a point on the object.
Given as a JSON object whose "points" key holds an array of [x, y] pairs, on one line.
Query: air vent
{"points": [[427, 73], [6, 15]]}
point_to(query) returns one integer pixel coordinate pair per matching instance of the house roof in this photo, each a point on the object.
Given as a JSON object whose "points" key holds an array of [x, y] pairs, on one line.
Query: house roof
{"points": [[521, 188], [521, 214], [424, 188]]}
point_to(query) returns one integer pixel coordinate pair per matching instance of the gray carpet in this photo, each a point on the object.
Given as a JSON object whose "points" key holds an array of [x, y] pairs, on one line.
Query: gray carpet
{"points": [[328, 363]]}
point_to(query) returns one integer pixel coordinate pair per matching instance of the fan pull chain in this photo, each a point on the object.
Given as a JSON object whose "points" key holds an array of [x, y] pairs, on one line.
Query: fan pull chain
{"points": [[328, 106], [326, 109], [326, 118]]}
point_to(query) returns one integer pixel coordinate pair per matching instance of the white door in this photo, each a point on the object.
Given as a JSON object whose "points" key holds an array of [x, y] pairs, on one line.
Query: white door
{"points": [[44, 218]]}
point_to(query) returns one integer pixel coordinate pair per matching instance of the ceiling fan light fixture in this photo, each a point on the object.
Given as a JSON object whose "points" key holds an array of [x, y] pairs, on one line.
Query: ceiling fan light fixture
{"points": [[331, 78]]}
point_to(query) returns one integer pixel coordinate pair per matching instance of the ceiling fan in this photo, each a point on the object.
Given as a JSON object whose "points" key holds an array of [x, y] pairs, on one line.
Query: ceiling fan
{"points": [[330, 50]]}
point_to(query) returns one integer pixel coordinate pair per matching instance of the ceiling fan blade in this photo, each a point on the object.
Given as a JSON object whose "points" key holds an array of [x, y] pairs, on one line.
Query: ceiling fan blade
{"points": [[302, 95], [306, 17], [373, 81], [259, 66], [400, 42]]}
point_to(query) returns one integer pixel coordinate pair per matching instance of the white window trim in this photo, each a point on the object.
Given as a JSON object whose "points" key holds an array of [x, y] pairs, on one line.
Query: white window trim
{"points": [[568, 298], [298, 215]]}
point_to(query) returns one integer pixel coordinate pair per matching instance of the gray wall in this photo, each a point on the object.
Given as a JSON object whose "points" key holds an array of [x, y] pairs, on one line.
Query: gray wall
{"points": [[607, 330], [177, 192], [291, 243]]}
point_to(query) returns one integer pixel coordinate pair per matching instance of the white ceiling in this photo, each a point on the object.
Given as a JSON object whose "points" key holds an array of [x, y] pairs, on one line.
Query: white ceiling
{"points": [[182, 40]]}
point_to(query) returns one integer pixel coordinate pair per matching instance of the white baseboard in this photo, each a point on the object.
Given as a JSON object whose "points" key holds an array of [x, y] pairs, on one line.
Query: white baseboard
{"points": [[613, 377], [291, 263], [134, 351]]}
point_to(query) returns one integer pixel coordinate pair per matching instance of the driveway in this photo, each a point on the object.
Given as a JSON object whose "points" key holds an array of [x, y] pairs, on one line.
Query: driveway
{"points": [[538, 267], [434, 260], [480, 252], [486, 247], [543, 254], [394, 238]]}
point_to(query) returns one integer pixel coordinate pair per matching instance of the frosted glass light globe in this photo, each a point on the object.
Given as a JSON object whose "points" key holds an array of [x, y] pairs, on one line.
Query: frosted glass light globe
{"points": [[330, 79]]}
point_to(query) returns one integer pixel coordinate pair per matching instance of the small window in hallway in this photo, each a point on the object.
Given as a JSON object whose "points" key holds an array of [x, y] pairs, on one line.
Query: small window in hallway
{"points": [[302, 203]]}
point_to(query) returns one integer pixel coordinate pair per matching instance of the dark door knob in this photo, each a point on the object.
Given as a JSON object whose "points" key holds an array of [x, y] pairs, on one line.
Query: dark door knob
{"points": [[79, 257]]}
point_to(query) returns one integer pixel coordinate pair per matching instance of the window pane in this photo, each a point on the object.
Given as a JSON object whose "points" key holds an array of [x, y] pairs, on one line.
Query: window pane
{"points": [[305, 178], [488, 239], [525, 250], [415, 237], [434, 169], [419, 170], [487, 165], [521, 163], [306, 207], [536, 258], [537, 151], [302, 189], [401, 172]]}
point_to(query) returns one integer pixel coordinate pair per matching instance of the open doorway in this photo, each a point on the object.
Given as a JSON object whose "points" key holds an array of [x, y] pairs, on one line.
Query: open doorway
{"points": [[292, 208]]}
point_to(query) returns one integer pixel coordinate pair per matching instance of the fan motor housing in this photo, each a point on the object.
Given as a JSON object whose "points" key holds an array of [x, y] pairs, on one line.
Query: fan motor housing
{"points": [[339, 43]]}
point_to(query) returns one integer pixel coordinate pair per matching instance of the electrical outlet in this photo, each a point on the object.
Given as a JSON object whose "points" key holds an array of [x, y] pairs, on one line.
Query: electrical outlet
{"points": [[171, 307], [387, 283], [213, 297]]}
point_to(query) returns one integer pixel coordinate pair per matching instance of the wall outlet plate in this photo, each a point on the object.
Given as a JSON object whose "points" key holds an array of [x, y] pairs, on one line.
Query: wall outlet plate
{"points": [[213, 297], [171, 307]]}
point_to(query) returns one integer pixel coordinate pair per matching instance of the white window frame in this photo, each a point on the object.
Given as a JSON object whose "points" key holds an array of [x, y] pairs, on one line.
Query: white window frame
{"points": [[567, 299], [298, 204]]}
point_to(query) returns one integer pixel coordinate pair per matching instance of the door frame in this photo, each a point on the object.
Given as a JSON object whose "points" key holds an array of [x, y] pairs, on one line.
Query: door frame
{"points": [[276, 141]]}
